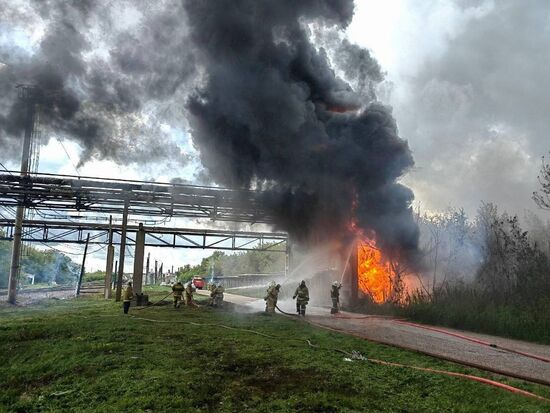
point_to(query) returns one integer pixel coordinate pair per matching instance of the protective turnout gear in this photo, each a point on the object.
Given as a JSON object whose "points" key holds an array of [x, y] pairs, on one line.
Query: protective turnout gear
{"points": [[216, 295], [127, 297], [212, 288], [271, 297], [188, 295], [177, 291], [335, 296], [302, 298], [218, 300]]}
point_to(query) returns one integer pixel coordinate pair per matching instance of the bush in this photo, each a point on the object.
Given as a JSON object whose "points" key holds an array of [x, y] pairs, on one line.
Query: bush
{"points": [[464, 307]]}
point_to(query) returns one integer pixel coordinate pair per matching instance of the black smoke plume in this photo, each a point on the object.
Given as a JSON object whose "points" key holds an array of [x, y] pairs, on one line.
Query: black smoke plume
{"points": [[272, 114], [275, 96]]}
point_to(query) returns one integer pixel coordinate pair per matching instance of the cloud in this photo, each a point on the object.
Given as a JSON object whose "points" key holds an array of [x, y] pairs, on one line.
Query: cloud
{"points": [[476, 111]]}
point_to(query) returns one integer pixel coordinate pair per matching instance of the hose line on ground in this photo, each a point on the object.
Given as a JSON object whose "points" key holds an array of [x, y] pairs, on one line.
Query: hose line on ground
{"points": [[357, 356], [156, 302], [474, 340]]}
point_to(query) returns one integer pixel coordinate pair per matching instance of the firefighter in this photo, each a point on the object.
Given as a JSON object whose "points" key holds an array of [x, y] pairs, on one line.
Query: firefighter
{"points": [[188, 295], [127, 297], [302, 297], [218, 298], [177, 291], [335, 296], [212, 299], [271, 297]]}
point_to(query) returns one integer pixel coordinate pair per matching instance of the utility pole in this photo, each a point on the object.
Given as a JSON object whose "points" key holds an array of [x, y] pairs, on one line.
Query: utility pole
{"points": [[147, 278], [28, 95], [122, 249], [82, 267]]}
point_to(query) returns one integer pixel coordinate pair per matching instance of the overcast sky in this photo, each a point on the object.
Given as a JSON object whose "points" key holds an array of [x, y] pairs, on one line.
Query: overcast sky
{"points": [[468, 82]]}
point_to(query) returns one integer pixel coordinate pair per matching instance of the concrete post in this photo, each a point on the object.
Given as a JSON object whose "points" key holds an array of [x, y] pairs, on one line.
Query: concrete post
{"points": [[109, 271], [139, 255], [115, 273], [122, 250], [110, 261]]}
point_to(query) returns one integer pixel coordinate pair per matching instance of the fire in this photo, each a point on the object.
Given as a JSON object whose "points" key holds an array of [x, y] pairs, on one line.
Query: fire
{"points": [[374, 275]]}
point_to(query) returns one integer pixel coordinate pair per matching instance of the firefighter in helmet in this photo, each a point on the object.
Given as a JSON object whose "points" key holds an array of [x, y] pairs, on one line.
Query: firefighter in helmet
{"points": [[302, 298], [188, 295], [218, 295], [212, 289], [335, 296], [271, 297], [177, 291]]}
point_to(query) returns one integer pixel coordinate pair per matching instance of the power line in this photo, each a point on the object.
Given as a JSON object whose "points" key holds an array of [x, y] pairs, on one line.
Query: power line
{"points": [[6, 169]]}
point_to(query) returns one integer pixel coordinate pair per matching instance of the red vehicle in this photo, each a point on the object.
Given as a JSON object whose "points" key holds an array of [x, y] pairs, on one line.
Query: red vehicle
{"points": [[198, 282]]}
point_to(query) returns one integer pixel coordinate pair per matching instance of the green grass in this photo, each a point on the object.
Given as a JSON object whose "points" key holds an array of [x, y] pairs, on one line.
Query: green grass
{"points": [[84, 355]]}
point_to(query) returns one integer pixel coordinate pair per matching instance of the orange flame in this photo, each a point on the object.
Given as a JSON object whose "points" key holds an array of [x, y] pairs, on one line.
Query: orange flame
{"points": [[373, 274]]}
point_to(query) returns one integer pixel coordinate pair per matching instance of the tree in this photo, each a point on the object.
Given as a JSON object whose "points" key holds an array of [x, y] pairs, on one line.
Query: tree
{"points": [[542, 198]]}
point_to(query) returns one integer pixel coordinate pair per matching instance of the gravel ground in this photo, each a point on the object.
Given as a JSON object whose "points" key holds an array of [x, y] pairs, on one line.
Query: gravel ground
{"points": [[28, 297], [438, 344]]}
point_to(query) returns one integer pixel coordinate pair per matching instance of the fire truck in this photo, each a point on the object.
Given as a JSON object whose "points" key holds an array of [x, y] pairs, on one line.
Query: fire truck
{"points": [[198, 282]]}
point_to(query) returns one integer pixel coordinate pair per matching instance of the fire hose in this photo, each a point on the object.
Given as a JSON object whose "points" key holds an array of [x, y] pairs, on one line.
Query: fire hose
{"points": [[475, 340], [450, 333], [156, 302], [285, 313], [357, 356]]}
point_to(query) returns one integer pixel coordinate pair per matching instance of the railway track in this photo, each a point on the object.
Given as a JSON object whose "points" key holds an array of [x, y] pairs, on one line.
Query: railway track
{"points": [[86, 288]]}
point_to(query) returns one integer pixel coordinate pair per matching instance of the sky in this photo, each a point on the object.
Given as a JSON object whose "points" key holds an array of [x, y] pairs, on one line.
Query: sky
{"points": [[467, 82]]}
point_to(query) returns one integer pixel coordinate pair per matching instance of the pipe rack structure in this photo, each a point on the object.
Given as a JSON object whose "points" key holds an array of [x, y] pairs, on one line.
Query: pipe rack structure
{"points": [[67, 232], [67, 192], [49, 194]]}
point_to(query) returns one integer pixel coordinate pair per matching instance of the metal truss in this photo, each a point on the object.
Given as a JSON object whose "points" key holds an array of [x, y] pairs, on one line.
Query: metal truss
{"points": [[73, 193], [75, 233]]}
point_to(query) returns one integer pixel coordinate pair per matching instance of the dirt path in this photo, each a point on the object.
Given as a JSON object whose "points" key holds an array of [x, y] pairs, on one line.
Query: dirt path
{"points": [[442, 344]]}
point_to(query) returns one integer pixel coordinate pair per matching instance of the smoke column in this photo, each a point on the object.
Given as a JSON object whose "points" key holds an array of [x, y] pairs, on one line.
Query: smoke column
{"points": [[273, 115], [274, 96]]}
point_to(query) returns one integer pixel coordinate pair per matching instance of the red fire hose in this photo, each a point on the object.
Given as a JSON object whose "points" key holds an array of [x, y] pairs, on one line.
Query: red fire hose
{"points": [[467, 377], [387, 363], [444, 372], [450, 333], [474, 340]]}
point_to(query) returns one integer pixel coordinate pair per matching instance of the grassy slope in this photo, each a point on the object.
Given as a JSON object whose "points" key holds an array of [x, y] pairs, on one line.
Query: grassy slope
{"points": [[107, 362]]}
